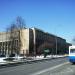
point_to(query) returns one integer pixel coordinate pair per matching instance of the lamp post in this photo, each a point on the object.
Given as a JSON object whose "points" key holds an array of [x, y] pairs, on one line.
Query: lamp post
{"points": [[56, 38]]}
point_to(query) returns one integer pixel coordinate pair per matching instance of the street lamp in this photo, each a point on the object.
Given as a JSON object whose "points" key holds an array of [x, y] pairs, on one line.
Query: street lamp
{"points": [[56, 41]]}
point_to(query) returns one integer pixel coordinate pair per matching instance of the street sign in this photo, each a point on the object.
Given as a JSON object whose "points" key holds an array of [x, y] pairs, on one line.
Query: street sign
{"points": [[46, 50]]}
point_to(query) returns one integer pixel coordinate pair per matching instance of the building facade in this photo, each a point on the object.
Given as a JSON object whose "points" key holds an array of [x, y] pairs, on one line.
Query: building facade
{"points": [[31, 41]]}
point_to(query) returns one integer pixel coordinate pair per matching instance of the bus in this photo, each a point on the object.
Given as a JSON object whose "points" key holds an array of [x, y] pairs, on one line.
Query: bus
{"points": [[72, 54]]}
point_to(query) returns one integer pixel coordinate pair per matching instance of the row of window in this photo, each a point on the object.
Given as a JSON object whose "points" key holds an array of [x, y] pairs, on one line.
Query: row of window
{"points": [[9, 43]]}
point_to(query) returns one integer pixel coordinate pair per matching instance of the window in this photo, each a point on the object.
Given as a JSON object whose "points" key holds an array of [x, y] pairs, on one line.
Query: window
{"points": [[72, 50]]}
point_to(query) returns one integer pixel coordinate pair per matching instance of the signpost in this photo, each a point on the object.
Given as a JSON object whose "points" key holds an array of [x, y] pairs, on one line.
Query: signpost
{"points": [[46, 51]]}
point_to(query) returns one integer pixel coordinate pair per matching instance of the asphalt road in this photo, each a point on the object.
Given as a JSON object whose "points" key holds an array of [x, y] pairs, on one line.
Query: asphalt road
{"points": [[59, 66]]}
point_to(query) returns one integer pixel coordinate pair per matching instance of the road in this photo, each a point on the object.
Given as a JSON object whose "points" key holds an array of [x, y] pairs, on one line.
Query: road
{"points": [[59, 66]]}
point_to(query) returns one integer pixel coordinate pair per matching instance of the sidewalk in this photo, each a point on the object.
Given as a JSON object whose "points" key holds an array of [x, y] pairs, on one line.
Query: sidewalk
{"points": [[20, 60]]}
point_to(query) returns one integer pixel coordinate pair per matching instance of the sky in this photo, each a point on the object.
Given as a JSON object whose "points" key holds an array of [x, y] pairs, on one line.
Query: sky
{"points": [[53, 16]]}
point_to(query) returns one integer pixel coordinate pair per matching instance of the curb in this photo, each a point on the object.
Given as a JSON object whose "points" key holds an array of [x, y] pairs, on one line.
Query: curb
{"points": [[23, 62]]}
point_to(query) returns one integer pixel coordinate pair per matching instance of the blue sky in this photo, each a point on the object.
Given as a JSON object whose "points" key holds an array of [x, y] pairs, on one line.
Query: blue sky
{"points": [[53, 16]]}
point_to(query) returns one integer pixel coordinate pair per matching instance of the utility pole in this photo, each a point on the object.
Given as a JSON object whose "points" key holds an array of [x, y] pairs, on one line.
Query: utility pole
{"points": [[56, 44]]}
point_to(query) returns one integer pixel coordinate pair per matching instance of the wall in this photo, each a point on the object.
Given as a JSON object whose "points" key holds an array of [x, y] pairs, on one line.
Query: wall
{"points": [[24, 39]]}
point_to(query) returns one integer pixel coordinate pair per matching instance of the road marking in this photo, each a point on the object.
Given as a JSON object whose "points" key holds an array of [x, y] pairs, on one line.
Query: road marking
{"points": [[11, 70], [52, 68], [63, 72]]}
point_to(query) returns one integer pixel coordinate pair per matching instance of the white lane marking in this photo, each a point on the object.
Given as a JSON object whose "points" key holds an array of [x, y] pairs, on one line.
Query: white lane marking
{"points": [[22, 69], [43, 71], [63, 72], [15, 69]]}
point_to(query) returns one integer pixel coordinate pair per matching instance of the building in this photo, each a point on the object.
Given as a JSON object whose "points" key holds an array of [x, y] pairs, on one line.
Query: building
{"points": [[30, 41], [44, 40]]}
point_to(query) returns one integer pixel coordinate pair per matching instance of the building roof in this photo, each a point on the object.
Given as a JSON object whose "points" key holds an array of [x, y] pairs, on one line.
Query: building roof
{"points": [[48, 33]]}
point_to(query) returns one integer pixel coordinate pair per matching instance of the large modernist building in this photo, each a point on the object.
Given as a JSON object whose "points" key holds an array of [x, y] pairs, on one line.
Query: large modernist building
{"points": [[31, 41]]}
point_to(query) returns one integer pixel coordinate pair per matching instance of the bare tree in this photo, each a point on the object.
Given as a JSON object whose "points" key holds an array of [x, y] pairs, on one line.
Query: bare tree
{"points": [[14, 31], [20, 23]]}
